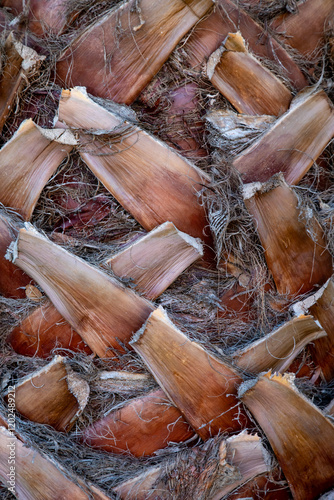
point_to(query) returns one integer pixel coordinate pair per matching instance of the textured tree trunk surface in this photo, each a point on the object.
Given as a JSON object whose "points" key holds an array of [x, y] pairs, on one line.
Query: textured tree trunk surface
{"points": [[166, 249]]}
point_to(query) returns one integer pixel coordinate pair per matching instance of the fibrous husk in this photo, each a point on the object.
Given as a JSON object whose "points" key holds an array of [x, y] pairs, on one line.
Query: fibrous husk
{"points": [[39, 478], [61, 395], [27, 162], [293, 240], [293, 143], [44, 331], [200, 385], [218, 467], [278, 349], [149, 33], [321, 306], [131, 159], [302, 438], [141, 427], [209, 34], [154, 261], [249, 86], [101, 310]]}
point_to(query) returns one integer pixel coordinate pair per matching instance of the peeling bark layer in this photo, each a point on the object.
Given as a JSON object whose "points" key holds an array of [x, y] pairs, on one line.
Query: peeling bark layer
{"points": [[20, 62], [44, 17], [321, 306], [305, 29], [13, 280]]}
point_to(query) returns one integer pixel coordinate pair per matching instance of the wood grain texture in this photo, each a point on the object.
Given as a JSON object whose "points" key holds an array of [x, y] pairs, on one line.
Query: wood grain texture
{"points": [[300, 435], [201, 386], [27, 162], [292, 238], [249, 86], [140, 428], [148, 178], [61, 394], [305, 29], [228, 17], [293, 143], [45, 331], [100, 309], [156, 260], [278, 349], [127, 47], [39, 478]]}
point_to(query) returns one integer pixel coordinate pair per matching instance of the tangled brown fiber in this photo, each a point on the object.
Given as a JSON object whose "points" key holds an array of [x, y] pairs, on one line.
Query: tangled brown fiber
{"points": [[78, 213]]}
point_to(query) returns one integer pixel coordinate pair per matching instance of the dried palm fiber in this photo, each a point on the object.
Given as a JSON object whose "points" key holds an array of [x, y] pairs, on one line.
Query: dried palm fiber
{"points": [[156, 260], [101, 310], [321, 306], [27, 162], [266, 486], [171, 194], [278, 349], [219, 466], [20, 63], [61, 394], [130, 36], [140, 428], [305, 29], [293, 143], [244, 81], [123, 382], [152, 263], [43, 17], [173, 110], [37, 477], [302, 438], [12, 280], [180, 367], [228, 17], [329, 410], [232, 132], [292, 238], [43, 331]]}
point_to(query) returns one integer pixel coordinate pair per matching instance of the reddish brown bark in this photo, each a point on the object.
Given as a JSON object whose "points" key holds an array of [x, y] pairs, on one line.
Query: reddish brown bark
{"points": [[43, 331], [228, 17], [141, 427]]}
